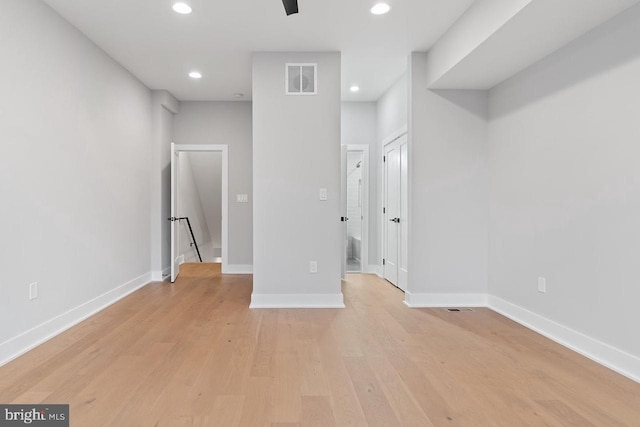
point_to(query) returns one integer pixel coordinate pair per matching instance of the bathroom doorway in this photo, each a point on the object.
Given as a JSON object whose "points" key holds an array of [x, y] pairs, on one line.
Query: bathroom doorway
{"points": [[357, 191]]}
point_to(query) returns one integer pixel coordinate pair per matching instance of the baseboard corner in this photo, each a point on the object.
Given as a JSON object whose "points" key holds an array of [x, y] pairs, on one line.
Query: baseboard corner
{"points": [[373, 269], [160, 276]]}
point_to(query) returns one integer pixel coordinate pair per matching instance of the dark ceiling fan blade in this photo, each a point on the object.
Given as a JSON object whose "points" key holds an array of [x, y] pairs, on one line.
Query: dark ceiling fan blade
{"points": [[290, 6]]}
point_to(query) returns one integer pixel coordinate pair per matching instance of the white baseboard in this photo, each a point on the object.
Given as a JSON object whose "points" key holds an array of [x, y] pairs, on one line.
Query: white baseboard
{"points": [[613, 358], [444, 300], [297, 301], [18, 345], [373, 269], [237, 269], [190, 258], [159, 276]]}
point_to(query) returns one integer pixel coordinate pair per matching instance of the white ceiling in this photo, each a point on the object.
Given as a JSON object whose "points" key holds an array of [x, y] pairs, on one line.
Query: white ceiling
{"points": [[538, 29], [160, 47]]}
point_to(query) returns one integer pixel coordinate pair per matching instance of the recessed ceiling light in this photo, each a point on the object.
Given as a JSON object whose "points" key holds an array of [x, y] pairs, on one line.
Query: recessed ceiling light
{"points": [[182, 8], [354, 88], [380, 9], [238, 95], [195, 75]]}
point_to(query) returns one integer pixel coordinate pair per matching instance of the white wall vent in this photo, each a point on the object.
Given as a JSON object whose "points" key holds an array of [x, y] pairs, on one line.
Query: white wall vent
{"points": [[301, 79]]}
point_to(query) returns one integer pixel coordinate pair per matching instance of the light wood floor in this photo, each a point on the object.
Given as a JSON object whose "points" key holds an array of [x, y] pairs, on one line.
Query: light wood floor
{"points": [[192, 353]]}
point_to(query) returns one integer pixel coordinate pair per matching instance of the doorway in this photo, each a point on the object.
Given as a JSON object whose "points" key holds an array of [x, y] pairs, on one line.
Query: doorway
{"points": [[355, 200], [395, 208], [199, 205], [200, 200]]}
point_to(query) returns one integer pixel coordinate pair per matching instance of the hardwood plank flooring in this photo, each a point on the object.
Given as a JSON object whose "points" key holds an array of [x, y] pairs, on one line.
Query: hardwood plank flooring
{"points": [[193, 354]]}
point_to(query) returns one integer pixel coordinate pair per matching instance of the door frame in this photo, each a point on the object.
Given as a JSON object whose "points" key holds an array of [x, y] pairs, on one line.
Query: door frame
{"points": [[388, 141], [364, 242], [176, 149]]}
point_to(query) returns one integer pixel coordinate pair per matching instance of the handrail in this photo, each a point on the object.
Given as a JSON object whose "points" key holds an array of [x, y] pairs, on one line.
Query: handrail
{"points": [[193, 237]]}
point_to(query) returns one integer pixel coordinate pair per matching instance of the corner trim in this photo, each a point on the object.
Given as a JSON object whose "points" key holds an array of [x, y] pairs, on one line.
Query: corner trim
{"points": [[20, 344], [373, 269], [613, 358], [297, 301], [444, 300], [237, 269], [160, 276]]}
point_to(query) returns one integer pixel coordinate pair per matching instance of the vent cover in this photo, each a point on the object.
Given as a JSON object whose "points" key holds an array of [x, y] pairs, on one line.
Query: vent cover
{"points": [[301, 79], [459, 309]]}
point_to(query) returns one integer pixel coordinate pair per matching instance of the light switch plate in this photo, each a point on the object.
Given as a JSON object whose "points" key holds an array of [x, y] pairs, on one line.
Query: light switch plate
{"points": [[323, 194], [33, 291], [542, 285]]}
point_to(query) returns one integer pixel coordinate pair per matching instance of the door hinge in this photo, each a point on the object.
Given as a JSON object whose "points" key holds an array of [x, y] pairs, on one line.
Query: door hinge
{"points": [[384, 158], [384, 261], [384, 210]]}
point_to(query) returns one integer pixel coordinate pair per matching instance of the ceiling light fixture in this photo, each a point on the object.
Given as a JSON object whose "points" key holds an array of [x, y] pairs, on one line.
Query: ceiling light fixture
{"points": [[182, 8], [354, 88], [380, 9], [238, 95], [195, 75]]}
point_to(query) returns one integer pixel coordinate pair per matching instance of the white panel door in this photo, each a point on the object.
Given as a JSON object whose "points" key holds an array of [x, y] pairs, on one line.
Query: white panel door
{"points": [[392, 212], [175, 232], [395, 218], [343, 207]]}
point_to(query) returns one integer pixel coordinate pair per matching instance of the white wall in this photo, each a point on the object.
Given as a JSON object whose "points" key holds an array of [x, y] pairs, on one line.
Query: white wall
{"points": [[190, 206], [74, 174], [226, 123], [391, 120], [392, 110], [448, 189], [358, 123], [565, 185], [296, 151], [163, 107], [359, 127]]}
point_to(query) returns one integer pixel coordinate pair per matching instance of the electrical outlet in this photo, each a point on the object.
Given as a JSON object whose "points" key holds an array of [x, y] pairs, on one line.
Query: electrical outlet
{"points": [[33, 291], [324, 196], [313, 267], [542, 285]]}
